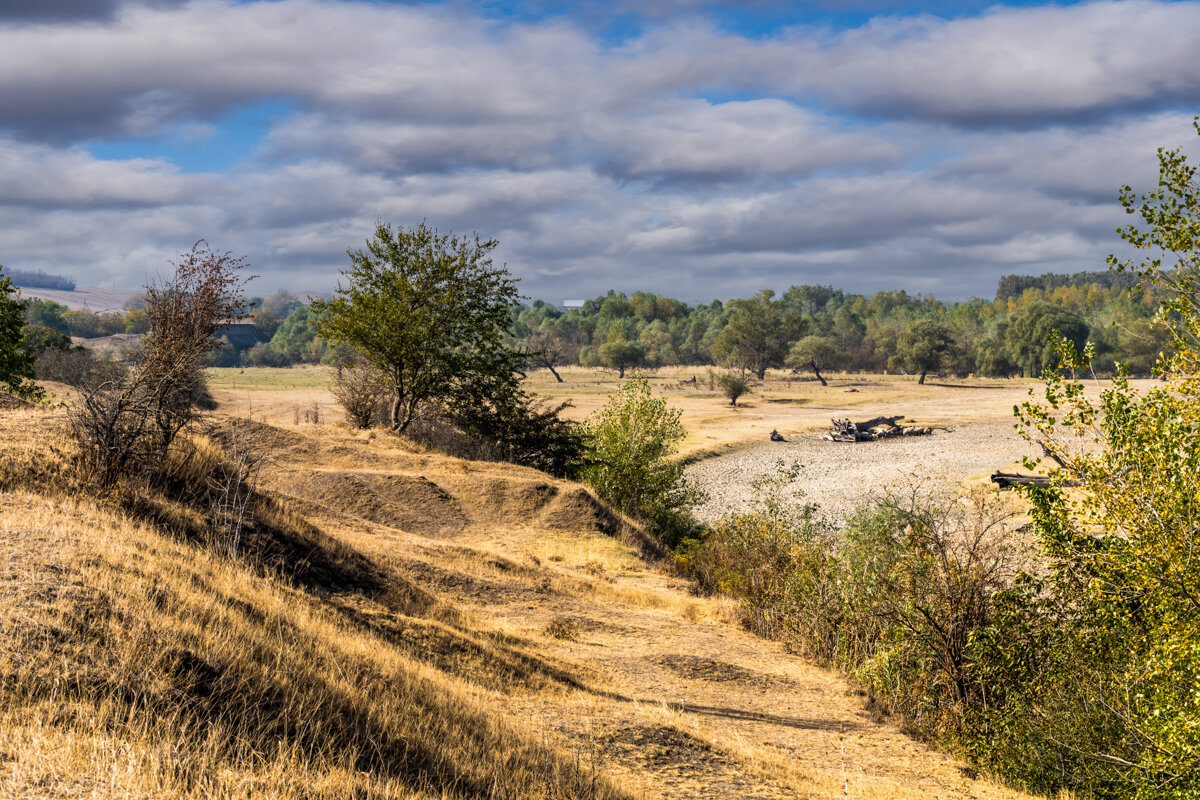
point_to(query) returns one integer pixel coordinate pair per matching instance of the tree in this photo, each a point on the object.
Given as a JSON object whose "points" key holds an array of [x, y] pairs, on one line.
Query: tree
{"points": [[923, 346], [816, 353], [546, 348], [16, 363], [1112, 635], [429, 311], [126, 423], [757, 334], [619, 353], [1033, 336], [733, 387], [630, 447]]}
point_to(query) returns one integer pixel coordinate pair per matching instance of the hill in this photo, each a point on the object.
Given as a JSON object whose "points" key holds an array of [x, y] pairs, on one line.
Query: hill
{"points": [[392, 623], [92, 298]]}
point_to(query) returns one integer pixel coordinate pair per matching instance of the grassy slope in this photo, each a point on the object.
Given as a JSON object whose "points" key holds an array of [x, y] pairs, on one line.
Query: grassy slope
{"points": [[398, 624]]}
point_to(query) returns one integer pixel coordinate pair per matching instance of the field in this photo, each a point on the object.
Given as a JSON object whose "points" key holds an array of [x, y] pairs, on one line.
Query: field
{"points": [[403, 624]]}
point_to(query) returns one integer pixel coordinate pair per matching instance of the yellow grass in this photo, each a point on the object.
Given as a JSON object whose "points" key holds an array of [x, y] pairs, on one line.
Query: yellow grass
{"points": [[389, 630]]}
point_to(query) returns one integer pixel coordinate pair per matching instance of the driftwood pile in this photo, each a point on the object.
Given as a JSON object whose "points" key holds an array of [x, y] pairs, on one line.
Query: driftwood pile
{"points": [[871, 430]]}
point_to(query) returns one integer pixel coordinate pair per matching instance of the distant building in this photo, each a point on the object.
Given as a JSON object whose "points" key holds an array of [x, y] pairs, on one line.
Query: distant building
{"points": [[569, 304]]}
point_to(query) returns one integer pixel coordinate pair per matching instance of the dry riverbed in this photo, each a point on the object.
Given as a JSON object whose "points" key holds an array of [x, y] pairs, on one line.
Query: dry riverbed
{"points": [[837, 476]]}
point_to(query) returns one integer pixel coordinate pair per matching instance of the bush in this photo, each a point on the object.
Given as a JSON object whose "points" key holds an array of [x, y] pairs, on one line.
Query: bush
{"points": [[733, 387], [630, 445], [357, 387], [897, 601], [125, 424]]}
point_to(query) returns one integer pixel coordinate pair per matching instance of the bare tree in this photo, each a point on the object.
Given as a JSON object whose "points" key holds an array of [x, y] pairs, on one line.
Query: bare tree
{"points": [[360, 390], [125, 423]]}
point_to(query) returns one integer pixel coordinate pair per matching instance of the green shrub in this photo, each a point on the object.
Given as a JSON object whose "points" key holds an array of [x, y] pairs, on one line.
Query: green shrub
{"points": [[630, 444]]}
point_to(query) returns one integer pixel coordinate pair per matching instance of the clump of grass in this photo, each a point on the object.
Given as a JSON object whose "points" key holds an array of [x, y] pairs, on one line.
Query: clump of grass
{"points": [[562, 627]]}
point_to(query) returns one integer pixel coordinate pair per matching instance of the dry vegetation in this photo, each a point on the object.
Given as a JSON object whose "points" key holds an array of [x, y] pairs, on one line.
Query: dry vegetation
{"points": [[397, 624]]}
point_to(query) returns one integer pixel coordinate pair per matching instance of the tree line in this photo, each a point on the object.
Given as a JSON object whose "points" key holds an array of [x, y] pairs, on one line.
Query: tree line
{"points": [[808, 328]]}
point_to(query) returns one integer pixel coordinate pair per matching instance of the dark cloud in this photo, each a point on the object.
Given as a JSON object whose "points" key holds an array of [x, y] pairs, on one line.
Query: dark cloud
{"points": [[69, 10]]}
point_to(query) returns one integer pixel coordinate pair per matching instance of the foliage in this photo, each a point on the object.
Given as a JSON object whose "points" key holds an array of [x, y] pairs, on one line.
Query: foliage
{"points": [[16, 363], [733, 387], [896, 600], [630, 445], [757, 334], [816, 353], [1112, 635], [619, 353], [1032, 337], [357, 388], [428, 311], [924, 346], [37, 279]]}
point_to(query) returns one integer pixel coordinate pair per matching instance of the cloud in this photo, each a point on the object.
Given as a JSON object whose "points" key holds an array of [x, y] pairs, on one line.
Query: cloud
{"points": [[922, 153]]}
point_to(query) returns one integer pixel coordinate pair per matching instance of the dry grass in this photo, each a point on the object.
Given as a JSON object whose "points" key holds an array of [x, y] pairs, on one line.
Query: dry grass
{"points": [[399, 624]]}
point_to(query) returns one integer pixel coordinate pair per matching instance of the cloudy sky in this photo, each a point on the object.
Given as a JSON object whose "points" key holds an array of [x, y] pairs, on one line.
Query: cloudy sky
{"points": [[698, 149]]}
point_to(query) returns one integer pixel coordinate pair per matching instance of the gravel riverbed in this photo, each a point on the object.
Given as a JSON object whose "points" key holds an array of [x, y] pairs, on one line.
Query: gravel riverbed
{"points": [[838, 475]]}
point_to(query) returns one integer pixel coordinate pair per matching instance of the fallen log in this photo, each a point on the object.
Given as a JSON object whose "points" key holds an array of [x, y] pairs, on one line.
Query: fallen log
{"points": [[1007, 480], [870, 430]]}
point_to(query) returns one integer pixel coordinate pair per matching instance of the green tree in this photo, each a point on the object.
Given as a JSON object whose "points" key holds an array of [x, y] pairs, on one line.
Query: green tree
{"points": [[16, 363], [631, 442], [1106, 650], [816, 353], [923, 346], [733, 387], [619, 353], [1033, 336], [429, 311], [757, 334]]}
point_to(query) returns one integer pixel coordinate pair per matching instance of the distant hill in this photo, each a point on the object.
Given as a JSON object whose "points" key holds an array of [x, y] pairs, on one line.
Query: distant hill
{"points": [[91, 298]]}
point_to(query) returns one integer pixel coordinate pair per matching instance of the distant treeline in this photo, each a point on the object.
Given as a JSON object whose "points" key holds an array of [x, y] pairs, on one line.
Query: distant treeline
{"points": [[40, 280], [1015, 285], [837, 330]]}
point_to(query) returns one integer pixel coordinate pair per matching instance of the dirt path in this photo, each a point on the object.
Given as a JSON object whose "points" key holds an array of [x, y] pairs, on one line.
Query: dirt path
{"points": [[688, 705]]}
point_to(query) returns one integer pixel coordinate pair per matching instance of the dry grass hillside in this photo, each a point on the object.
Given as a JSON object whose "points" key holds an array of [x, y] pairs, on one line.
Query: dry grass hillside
{"points": [[395, 624]]}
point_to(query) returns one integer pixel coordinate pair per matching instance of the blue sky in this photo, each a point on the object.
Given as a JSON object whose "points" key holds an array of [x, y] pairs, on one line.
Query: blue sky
{"points": [[698, 149]]}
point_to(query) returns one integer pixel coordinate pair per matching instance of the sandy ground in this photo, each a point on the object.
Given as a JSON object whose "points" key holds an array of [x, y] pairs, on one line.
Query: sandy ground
{"points": [[838, 476]]}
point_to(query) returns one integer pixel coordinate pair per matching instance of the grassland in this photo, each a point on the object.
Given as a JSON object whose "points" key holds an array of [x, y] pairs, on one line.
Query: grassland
{"points": [[396, 624]]}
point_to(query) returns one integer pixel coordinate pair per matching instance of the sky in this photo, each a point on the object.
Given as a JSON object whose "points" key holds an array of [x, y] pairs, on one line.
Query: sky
{"points": [[693, 148]]}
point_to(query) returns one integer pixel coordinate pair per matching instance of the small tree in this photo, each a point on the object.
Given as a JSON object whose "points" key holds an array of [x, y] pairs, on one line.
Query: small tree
{"points": [[429, 311], [125, 422], [16, 363], [923, 346], [733, 387], [816, 353], [619, 353], [630, 444]]}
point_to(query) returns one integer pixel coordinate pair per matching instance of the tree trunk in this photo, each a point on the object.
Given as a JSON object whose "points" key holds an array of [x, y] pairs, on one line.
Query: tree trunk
{"points": [[554, 372], [621, 375], [396, 414], [817, 372], [762, 373], [922, 380]]}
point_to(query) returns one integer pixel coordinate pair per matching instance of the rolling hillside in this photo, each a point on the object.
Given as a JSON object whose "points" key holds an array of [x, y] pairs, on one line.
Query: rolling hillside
{"points": [[394, 624]]}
